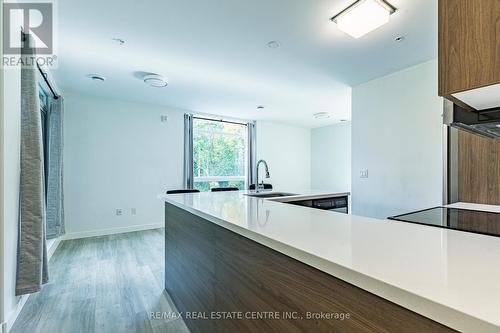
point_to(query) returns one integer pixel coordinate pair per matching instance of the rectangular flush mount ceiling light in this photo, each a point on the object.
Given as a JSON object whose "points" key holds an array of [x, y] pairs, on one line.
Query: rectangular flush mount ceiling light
{"points": [[363, 16]]}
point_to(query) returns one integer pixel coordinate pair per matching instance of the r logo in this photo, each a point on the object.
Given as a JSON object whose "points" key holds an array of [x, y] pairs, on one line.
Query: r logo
{"points": [[35, 19]]}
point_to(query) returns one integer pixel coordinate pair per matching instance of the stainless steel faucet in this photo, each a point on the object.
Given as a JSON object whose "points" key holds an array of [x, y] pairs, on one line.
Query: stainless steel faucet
{"points": [[261, 186]]}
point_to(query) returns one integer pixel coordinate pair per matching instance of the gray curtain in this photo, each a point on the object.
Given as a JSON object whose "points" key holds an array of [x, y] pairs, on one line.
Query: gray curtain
{"points": [[32, 269], [252, 153], [188, 151], [55, 193]]}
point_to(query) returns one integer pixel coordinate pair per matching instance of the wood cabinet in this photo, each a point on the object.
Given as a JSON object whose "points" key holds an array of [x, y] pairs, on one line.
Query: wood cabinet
{"points": [[469, 45], [211, 271], [478, 169]]}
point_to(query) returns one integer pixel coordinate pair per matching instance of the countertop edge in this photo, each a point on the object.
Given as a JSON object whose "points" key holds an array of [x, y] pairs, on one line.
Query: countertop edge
{"points": [[440, 313]]}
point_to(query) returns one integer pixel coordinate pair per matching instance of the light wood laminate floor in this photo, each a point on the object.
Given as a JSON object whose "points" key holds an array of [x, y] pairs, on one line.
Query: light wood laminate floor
{"points": [[103, 284]]}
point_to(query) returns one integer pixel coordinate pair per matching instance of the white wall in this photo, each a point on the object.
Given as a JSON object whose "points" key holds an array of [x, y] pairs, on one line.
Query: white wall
{"points": [[11, 140], [287, 150], [118, 155], [331, 157], [2, 193], [11, 131], [397, 136]]}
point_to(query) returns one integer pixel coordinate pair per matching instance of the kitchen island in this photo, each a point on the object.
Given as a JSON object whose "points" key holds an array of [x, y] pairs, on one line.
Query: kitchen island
{"points": [[240, 263]]}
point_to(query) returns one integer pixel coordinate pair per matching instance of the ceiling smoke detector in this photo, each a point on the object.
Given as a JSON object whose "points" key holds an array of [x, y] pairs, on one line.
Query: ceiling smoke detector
{"points": [[321, 115], [96, 77], [119, 41], [274, 44], [155, 80]]}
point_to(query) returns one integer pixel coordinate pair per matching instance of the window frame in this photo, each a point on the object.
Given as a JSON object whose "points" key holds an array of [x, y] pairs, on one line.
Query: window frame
{"points": [[189, 132]]}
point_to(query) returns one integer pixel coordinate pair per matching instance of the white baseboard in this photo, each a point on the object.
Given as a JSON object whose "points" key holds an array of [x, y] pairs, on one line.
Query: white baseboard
{"points": [[53, 247], [111, 231], [13, 315]]}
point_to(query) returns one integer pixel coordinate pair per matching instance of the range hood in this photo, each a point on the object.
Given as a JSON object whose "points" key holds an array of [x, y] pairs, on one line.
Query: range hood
{"points": [[485, 122]]}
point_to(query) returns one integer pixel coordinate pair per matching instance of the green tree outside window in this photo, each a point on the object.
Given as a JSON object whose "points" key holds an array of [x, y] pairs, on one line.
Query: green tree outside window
{"points": [[219, 152]]}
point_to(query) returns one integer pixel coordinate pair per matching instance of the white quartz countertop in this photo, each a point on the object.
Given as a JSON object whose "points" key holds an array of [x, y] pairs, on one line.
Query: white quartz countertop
{"points": [[449, 276]]}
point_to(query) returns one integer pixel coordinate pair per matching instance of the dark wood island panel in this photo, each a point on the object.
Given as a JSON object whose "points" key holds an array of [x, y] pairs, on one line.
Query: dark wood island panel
{"points": [[212, 272]]}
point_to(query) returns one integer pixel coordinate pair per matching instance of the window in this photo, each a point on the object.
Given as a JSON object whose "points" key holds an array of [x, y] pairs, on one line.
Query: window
{"points": [[219, 154]]}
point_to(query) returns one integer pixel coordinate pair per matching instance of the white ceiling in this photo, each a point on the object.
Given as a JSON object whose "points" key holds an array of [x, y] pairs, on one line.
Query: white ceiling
{"points": [[215, 56]]}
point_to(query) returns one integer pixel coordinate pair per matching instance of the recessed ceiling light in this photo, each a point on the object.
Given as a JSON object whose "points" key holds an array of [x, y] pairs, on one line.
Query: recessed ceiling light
{"points": [[321, 115], [155, 80], [343, 120], [261, 107], [363, 16], [274, 44], [119, 41], [96, 77]]}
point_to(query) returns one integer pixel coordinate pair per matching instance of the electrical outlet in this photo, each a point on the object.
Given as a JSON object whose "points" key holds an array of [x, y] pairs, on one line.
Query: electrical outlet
{"points": [[119, 212], [164, 119], [133, 211], [363, 173]]}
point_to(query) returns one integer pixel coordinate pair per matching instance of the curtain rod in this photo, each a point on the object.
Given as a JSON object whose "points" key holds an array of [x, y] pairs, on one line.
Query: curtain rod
{"points": [[220, 120], [44, 75]]}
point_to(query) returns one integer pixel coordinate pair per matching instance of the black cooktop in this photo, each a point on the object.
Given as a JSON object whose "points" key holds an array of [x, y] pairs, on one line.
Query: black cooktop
{"points": [[486, 223]]}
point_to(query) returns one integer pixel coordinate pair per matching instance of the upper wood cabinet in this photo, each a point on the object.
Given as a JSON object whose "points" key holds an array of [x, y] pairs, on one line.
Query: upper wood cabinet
{"points": [[469, 45]]}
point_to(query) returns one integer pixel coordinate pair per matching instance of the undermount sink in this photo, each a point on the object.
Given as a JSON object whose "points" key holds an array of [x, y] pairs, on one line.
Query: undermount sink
{"points": [[270, 194]]}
